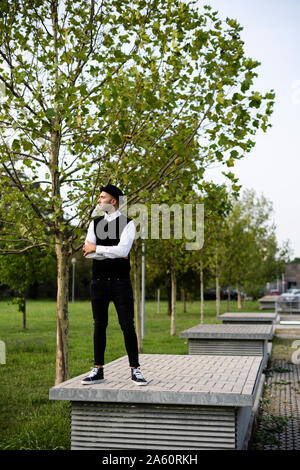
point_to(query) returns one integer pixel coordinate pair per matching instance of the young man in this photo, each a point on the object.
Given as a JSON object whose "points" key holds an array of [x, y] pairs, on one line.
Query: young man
{"points": [[108, 242]]}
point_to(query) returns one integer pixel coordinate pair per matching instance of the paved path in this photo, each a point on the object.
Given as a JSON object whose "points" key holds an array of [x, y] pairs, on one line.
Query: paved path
{"points": [[279, 419]]}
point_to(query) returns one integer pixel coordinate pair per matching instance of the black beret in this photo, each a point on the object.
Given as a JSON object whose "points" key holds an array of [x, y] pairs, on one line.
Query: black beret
{"points": [[112, 190]]}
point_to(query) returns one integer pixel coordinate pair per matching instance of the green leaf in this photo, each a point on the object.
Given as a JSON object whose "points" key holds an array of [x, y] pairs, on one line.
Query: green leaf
{"points": [[26, 145], [220, 97], [234, 154], [50, 113], [16, 145], [116, 139]]}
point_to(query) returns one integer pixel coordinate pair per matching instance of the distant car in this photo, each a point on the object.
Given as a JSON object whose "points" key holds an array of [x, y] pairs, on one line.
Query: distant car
{"points": [[210, 294], [233, 294], [274, 292], [290, 296], [291, 292]]}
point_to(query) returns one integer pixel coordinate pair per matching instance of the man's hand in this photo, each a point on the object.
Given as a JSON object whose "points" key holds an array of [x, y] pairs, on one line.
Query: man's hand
{"points": [[89, 247]]}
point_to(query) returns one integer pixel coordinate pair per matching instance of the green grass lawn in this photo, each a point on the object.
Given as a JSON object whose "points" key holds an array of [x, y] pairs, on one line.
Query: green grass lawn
{"points": [[29, 420]]}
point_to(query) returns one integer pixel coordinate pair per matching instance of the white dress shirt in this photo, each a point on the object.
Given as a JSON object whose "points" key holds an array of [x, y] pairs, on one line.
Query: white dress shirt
{"points": [[117, 251]]}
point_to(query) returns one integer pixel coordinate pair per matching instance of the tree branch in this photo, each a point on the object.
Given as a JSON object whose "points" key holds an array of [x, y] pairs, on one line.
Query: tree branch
{"points": [[19, 185], [22, 250]]}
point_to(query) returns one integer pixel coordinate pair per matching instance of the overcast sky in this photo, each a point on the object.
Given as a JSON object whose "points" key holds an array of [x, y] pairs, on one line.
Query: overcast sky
{"points": [[272, 36]]}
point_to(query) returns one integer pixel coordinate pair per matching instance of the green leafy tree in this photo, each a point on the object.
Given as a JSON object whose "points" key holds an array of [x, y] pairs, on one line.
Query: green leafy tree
{"points": [[22, 271], [136, 93], [24, 264], [253, 254], [209, 260]]}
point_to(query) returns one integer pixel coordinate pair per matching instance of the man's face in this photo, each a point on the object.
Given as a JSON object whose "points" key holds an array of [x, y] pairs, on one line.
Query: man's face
{"points": [[106, 202]]}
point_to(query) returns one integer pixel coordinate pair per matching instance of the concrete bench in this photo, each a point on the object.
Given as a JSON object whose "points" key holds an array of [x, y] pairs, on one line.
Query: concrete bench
{"points": [[190, 402], [230, 339], [268, 302], [249, 317]]}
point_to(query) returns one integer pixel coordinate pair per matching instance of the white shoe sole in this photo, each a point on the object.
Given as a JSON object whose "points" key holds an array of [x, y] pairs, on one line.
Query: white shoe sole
{"points": [[139, 383], [93, 382]]}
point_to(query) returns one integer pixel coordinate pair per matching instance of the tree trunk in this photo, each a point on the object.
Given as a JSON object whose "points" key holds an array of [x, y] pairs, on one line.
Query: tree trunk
{"points": [[24, 312], [228, 300], [62, 246], [62, 343], [158, 300], [239, 298], [173, 303], [201, 294], [217, 288], [137, 295], [217, 295], [183, 299], [169, 293]]}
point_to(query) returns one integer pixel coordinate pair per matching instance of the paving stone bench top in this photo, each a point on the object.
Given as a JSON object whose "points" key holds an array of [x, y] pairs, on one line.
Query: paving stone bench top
{"points": [[246, 316], [173, 379], [230, 331], [269, 298]]}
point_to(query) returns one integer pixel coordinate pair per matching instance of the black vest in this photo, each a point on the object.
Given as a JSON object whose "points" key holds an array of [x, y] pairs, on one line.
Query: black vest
{"points": [[109, 234]]}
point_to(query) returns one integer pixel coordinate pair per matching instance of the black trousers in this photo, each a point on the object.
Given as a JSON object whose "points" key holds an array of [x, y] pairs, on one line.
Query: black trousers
{"points": [[120, 292]]}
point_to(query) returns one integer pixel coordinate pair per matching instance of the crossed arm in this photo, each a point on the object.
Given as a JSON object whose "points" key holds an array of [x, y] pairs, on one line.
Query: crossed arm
{"points": [[100, 252]]}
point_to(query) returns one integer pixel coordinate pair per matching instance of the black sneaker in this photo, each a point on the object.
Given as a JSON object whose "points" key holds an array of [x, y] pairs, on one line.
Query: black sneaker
{"points": [[137, 377], [94, 377]]}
